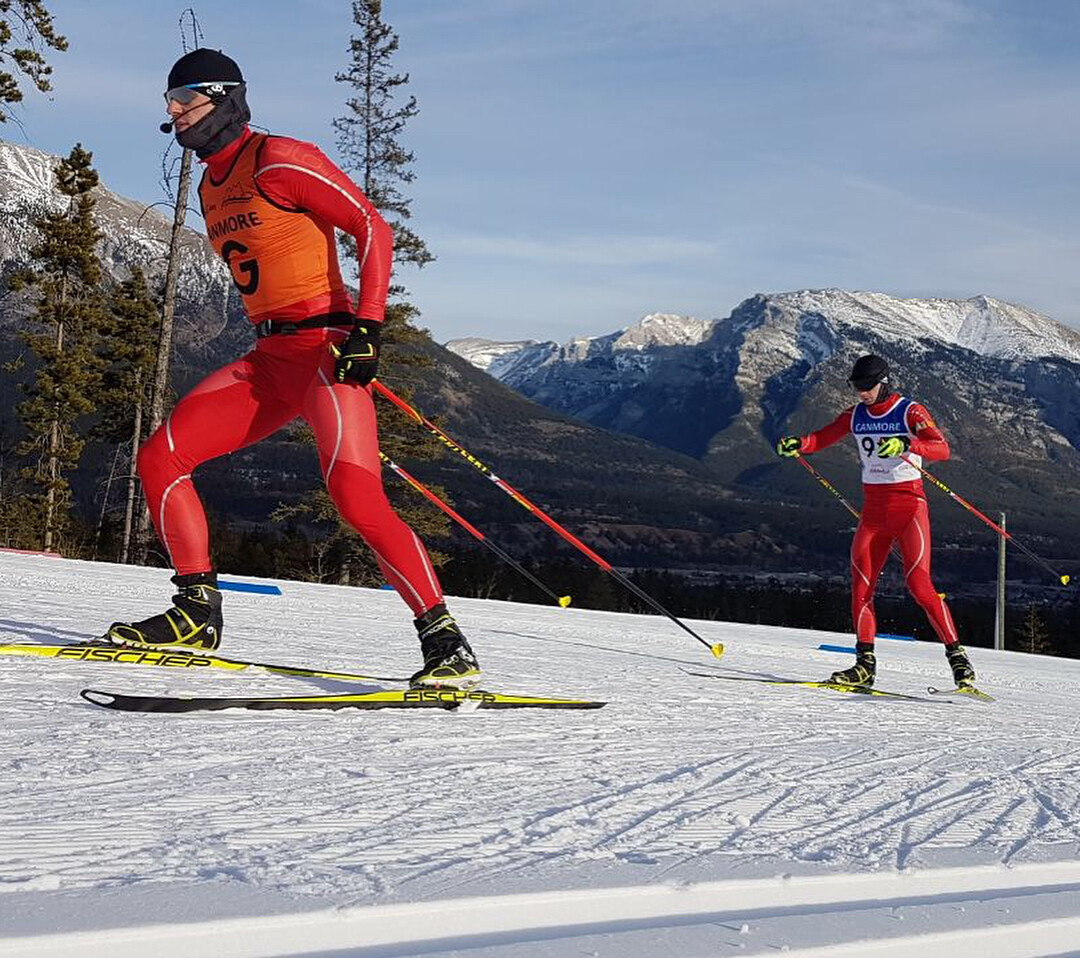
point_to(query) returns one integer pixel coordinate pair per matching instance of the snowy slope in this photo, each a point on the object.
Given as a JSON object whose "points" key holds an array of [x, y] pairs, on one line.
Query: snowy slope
{"points": [[987, 326], [483, 353], [689, 817], [508, 360]]}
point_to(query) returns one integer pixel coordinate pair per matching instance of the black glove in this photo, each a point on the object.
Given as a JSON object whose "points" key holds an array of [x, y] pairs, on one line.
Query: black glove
{"points": [[789, 446], [357, 359]]}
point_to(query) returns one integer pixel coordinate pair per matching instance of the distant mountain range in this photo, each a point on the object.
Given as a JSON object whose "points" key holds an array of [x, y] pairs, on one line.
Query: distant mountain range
{"points": [[1002, 381], [778, 363], [679, 381]]}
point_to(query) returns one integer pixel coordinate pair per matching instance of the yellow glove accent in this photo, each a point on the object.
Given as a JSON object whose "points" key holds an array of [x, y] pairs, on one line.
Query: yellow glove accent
{"points": [[892, 446], [789, 446]]}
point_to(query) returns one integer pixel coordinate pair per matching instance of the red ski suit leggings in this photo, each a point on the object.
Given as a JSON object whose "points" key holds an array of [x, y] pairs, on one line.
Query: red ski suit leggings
{"points": [[283, 377], [892, 514]]}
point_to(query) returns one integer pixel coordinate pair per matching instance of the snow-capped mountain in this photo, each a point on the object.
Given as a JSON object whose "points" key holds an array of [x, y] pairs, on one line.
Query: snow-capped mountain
{"points": [[1002, 380], [483, 353], [503, 359], [986, 326], [133, 234], [692, 373]]}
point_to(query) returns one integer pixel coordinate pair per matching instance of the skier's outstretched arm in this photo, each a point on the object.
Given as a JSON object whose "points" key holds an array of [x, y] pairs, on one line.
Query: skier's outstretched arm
{"points": [[818, 440]]}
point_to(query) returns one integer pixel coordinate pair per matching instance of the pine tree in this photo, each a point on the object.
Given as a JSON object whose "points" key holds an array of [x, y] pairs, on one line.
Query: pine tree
{"points": [[368, 133], [369, 144], [128, 351], [19, 528], [66, 270], [368, 141], [1032, 635], [25, 26]]}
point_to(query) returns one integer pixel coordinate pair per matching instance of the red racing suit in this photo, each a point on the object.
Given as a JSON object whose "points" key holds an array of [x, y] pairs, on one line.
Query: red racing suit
{"points": [[894, 507], [271, 206]]}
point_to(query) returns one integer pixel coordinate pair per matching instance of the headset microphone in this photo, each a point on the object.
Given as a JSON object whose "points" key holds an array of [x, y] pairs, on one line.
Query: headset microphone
{"points": [[167, 126]]}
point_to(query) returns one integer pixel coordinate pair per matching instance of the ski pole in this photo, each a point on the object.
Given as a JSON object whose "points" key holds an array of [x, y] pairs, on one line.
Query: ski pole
{"points": [[1063, 579], [562, 600], [716, 648], [847, 505], [828, 485]]}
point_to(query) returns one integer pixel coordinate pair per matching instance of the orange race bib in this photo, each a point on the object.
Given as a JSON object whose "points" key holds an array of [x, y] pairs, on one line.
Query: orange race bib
{"points": [[277, 256]]}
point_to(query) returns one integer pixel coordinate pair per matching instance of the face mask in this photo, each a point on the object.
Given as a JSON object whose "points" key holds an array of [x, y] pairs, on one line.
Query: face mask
{"points": [[220, 126]]}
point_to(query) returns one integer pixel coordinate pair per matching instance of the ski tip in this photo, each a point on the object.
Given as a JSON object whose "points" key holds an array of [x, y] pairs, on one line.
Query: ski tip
{"points": [[564, 601], [968, 691], [717, 650], [104, 699]]}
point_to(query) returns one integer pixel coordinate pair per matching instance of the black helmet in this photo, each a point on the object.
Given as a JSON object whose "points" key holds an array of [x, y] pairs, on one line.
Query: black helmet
{"points": [[868, 371], [204, 67]]}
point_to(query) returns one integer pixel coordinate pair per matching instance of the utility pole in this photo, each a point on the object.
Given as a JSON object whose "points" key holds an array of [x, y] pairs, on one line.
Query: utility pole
{"points": [[172, 273], [999, 618]]}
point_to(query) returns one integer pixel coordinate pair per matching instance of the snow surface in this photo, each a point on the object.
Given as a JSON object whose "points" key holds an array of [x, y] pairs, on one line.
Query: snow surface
{"points": [[689, 817]]}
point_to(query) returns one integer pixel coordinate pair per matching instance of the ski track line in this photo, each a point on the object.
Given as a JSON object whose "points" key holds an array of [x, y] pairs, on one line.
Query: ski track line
{"points": [[857, 816], [574, 829], [706, 826], [615, 823], [858, 829], [1033, 763], [958, 802], [413, 928], [584, 833], [1039, 815], [996, 828], [299, 820]]}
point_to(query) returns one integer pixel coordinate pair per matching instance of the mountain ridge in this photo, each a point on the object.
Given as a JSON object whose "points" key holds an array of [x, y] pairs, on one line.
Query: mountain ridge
{"points": [[980, 323]]}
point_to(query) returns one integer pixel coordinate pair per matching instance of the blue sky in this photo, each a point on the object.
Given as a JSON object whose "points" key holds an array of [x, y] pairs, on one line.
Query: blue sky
{"points": [[582, 164]]}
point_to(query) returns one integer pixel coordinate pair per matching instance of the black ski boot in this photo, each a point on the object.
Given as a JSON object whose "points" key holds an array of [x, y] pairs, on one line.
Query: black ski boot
{"points": [[962, 672], [449, 662], [862, 672], [193, 622]]}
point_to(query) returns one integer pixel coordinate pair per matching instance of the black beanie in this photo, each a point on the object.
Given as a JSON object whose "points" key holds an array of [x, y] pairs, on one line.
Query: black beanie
{"points": [[203, 66]]}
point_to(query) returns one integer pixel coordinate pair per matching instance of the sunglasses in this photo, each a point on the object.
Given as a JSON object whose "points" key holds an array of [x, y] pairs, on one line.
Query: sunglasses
{"points": [[863, 385], [185, 94]]}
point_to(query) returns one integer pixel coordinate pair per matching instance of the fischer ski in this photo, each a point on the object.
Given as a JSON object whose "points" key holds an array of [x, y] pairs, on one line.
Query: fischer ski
{"points": [[179, 659], [965, 691], [807, 683], [447, 699]]}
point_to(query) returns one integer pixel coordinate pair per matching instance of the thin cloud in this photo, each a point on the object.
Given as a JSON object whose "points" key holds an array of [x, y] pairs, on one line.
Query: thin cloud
{"points": [[607, 251]]}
